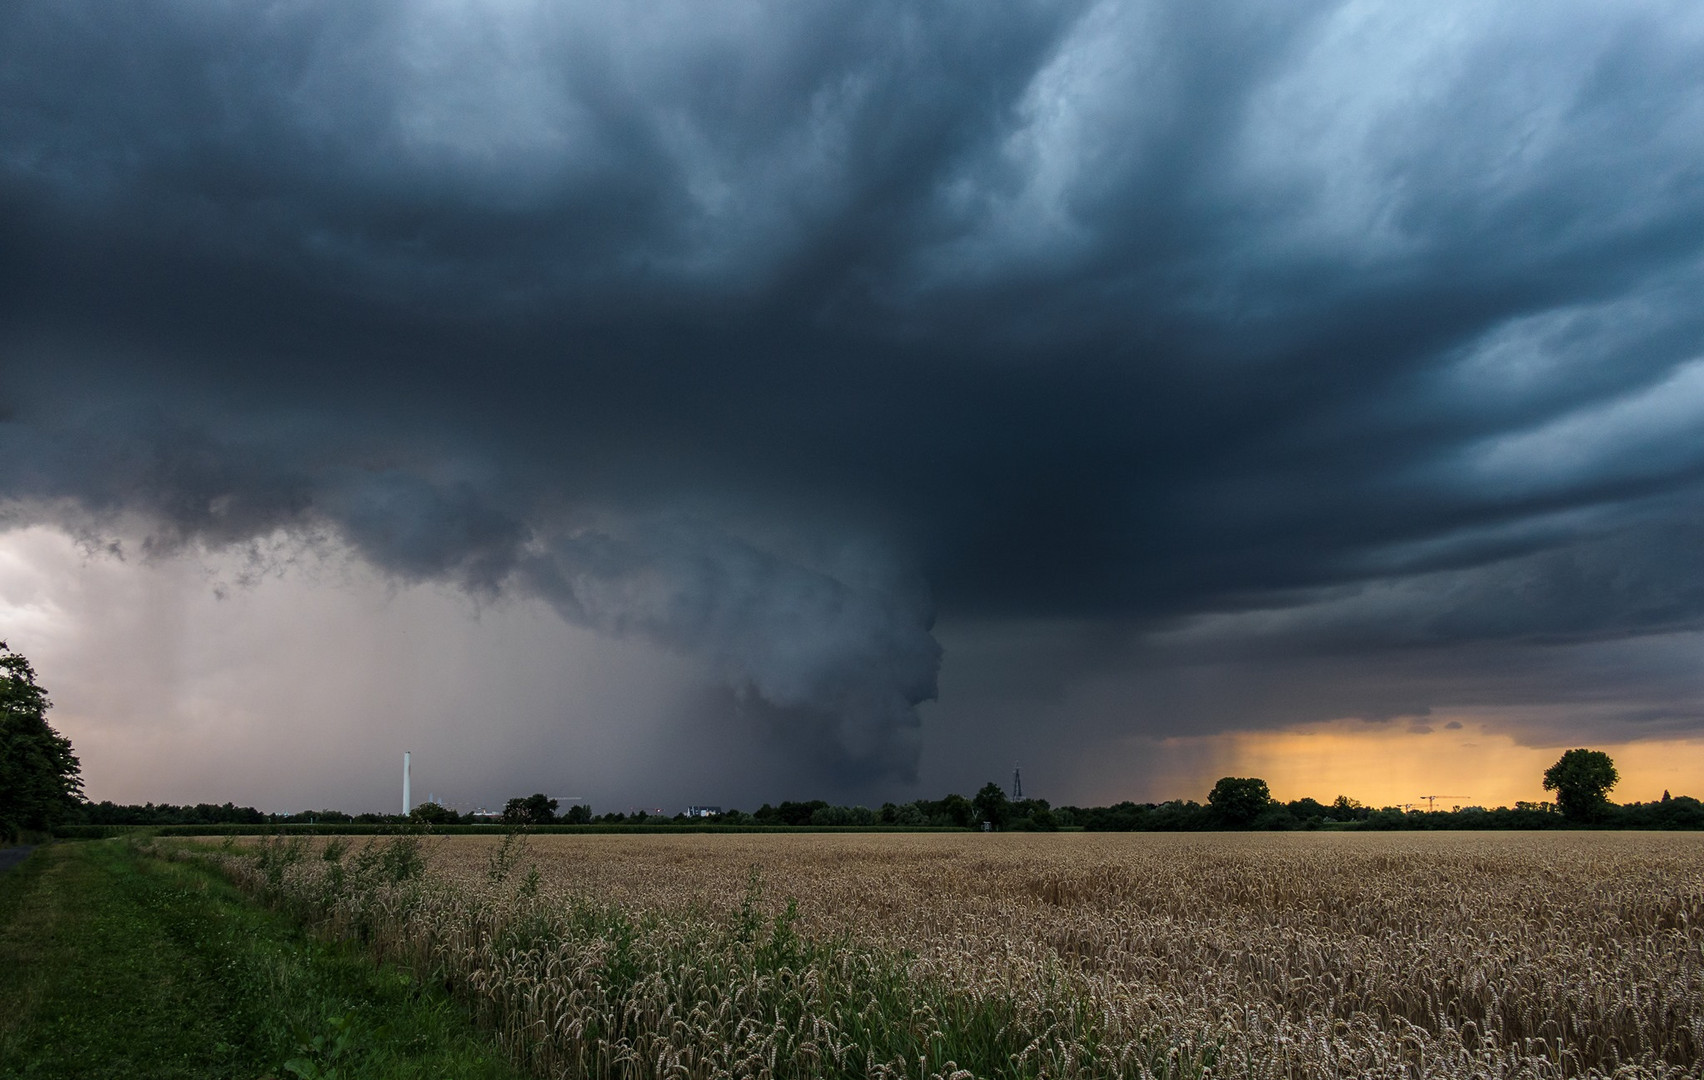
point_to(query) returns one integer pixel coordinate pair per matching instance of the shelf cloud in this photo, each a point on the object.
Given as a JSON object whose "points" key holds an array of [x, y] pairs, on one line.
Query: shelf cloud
{"points": [[767, 334]]}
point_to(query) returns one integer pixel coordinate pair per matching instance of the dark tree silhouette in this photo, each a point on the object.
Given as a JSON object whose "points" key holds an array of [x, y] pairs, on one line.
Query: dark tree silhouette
{"points": [[431, 813], [39, 775], [992, 805], [957, 810], [1237, 800], [1581, 781], [536, 809]]}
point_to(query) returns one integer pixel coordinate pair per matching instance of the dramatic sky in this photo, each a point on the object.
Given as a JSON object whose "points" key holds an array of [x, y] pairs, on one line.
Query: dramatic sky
{"points": [[728, 402]]}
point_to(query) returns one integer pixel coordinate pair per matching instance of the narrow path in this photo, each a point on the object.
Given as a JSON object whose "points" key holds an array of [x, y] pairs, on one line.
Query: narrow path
{"points": [[115, 963], [12, 856]]}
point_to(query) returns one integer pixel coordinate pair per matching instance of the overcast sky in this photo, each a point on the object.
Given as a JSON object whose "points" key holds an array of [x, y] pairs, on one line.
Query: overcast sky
{"points": [[686, 402]]}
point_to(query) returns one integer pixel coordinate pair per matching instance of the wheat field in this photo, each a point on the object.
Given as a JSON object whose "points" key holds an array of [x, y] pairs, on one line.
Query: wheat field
{"points": [[1070, 955]]}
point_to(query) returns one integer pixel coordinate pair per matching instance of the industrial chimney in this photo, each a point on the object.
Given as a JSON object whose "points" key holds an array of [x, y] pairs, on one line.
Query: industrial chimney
{"points": [[406, 799]]}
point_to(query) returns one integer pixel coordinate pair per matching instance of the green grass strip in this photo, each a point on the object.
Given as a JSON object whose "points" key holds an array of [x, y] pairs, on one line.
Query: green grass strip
{"points": [[115, 964]]}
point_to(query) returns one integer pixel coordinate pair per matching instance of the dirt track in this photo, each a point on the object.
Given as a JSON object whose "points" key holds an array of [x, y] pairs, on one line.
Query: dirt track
{"points": [[12, 856]]}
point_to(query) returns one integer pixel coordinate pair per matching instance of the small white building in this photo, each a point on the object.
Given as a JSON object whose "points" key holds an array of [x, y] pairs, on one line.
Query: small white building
{"points": [[703, 811]]}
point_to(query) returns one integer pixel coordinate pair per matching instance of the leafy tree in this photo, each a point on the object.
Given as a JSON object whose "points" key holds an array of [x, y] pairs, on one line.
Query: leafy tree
{"points": [[789, 813], [578, 815], [1581, 781], [955, 809], [1237, 800], [992, 805], [1307, 809], [535, 809], [831, 815], [1343, 808], [40, 780], [1030, 814], [431, 813]]}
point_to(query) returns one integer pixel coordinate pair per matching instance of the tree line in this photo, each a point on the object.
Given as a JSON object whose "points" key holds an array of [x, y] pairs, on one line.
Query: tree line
{"points": [[1581, 779], [41, 787]]}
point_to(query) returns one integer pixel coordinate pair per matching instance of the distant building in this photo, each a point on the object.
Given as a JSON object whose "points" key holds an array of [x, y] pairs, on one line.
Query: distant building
{"points": [[703, 811]]}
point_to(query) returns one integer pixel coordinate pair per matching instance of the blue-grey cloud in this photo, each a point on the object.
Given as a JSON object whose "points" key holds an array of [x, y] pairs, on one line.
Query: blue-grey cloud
{"points": [[1373, 328]]}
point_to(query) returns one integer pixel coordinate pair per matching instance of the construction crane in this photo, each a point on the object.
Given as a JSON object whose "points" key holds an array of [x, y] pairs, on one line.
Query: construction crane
{"points": [[1432, 800]]}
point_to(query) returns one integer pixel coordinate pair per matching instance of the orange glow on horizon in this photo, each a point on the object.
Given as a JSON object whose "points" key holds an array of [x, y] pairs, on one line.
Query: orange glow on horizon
{"points": [[1392, 765]]}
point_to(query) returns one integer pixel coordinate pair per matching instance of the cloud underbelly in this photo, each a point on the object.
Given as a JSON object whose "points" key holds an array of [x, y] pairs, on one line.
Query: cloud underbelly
{"points": [[799, 639]]}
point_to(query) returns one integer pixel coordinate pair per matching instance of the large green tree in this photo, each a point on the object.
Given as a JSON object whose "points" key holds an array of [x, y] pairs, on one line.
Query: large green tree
{"points": [[1581, 781], [957, 810], [39, 775], [992, 805], [431, 813], [535, 809], [1238, 800]]}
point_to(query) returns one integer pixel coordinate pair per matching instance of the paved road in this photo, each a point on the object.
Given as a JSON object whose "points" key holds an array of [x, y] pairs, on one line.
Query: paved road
{"points": [[12, 856]]}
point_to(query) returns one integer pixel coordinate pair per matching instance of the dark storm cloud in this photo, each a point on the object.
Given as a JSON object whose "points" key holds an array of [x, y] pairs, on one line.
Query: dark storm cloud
{"points": [[731, 327]]}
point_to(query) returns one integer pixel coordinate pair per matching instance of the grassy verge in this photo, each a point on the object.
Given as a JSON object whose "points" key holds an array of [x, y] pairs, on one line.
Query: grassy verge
{"points": [[116, 964], [577, 987]]}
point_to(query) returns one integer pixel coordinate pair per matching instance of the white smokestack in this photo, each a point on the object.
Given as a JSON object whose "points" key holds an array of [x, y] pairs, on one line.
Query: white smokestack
{"points": [[406, 797]]}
